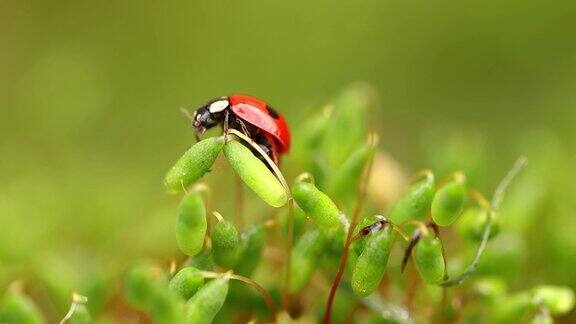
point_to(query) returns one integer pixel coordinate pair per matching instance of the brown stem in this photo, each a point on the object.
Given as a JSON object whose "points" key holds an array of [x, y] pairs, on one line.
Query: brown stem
{"points": [[289, 244], [412, 288], [361, 195]]}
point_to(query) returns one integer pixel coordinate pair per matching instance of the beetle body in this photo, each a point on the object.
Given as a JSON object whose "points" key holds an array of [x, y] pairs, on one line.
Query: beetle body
{"points": [[249, 115]]}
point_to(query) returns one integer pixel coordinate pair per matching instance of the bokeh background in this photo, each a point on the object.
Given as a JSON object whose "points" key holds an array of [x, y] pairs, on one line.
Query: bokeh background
{"points": [[90, 122]]}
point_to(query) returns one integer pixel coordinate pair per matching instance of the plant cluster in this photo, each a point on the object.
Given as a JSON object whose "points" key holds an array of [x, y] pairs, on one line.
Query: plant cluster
{"points": [[340, 257]]}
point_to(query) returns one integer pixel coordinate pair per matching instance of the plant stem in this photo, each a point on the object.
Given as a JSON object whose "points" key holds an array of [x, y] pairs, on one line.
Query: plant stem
{"points": [[495, 206], [361, 195], [289, 245]]}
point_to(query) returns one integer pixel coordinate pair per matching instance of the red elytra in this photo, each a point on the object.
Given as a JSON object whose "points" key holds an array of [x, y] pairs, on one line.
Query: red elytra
{"points": [[257, 112]]}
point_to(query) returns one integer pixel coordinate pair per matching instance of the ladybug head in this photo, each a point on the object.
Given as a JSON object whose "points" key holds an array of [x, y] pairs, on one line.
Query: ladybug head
{"points": [[209, 115]]}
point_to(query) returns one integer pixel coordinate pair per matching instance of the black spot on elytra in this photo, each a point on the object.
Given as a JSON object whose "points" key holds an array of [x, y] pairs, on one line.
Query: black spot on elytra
{"points": [[272, 112]]}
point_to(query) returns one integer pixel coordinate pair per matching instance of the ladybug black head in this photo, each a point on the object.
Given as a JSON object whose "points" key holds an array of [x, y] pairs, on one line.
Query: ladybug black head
{"points": [[210, 115]]}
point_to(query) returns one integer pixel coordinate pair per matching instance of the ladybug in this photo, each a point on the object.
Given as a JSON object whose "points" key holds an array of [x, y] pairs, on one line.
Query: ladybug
{"points": [[249, 115]]}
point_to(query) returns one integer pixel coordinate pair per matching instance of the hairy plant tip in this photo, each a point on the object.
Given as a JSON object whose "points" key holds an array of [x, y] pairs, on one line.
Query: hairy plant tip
{"points": [[255, 174], [193, 164]]}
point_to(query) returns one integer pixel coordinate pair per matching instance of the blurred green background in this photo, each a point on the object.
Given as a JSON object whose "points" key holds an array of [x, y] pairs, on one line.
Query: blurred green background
{"points": [[90, 91]]}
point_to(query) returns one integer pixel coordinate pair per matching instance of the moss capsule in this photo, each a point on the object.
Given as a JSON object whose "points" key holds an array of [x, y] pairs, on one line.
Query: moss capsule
{"points": [[191, 225], [559, 300], [225, 244], [207, 302], [471, 224], [415, 201], [317, 206], [448, 202], [15, 307], [255, 174], [194, 163], [304, 259], [372, 262], [344, 182], [251, 246], [429, 259], [186, 282]]}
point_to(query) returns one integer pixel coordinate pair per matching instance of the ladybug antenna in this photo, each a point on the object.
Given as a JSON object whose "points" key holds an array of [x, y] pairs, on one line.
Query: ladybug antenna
{"points": [[187, 113]]}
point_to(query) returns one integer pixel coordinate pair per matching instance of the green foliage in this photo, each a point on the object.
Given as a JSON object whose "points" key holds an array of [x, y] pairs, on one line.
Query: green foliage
{"points": [[448, 202], [205, 304], [15, 307], [372, 262], [415, 201], [225, 243], [194, 163], [191, 225], [429, 259], [255, 174], [186, 282], [318, 206], [337, 262]]}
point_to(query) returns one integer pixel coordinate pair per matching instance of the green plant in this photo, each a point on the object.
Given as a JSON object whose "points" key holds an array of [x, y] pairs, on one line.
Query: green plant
{"points": [[324, 236]]}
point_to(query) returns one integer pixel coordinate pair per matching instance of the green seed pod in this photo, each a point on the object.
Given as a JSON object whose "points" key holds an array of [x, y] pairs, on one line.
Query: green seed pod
{"points": [[448, 202], [513, 307], [225, 244], [559, 300], [429, 259], [202, 261], [359, 241], [81, 315], [304, 259], [251, 246], [372, 262], [194, 163], [415, 201], [191, 225], [317, 206], [344, 182], [471, 224], [186, 282], [255, 174], [349, 114], [141, 283], [15, 307], [206, 303], [147, 289]]}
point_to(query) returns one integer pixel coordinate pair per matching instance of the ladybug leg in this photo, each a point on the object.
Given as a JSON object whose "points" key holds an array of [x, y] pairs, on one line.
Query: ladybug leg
{"points": [[226, 124], [244, 128]]}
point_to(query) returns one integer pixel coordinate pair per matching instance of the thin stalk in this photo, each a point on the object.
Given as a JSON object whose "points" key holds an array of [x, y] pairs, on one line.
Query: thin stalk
{"points": [[77, 300], [361, 195], [495, 206], [289, 245]]}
